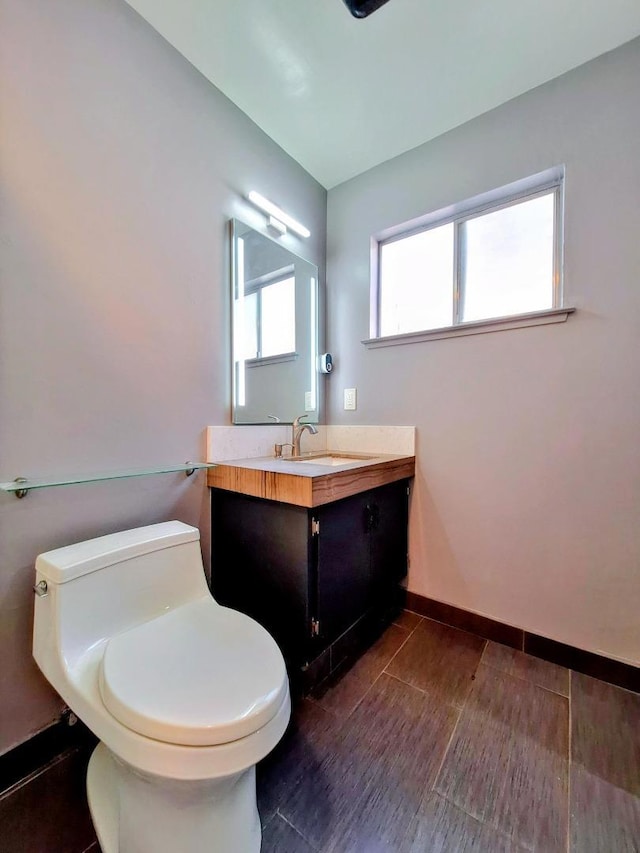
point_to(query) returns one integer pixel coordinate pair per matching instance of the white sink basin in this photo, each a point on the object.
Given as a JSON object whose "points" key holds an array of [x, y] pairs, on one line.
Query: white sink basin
{"points": [[332, 459]]}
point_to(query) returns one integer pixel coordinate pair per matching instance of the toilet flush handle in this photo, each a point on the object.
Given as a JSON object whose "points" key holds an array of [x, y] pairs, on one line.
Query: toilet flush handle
{"points": [[41, 589]]}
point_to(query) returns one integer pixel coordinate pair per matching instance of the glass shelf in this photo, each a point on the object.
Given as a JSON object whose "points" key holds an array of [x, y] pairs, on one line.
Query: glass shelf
{"points": [[22, 485]]}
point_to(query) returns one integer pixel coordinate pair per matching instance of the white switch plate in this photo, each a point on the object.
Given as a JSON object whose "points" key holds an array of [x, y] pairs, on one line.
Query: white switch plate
{"points": [[350, 399], [308, 402]]}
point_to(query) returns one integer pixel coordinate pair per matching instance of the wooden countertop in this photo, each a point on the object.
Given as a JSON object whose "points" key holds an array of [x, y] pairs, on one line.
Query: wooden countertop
{"points": [[307, 484]]}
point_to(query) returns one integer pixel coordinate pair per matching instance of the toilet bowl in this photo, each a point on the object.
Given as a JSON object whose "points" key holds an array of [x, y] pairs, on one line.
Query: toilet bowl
{"points": [[185, 696]]}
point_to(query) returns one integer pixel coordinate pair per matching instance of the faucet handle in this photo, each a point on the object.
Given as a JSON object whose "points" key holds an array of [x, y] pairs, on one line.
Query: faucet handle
{"points": [[297, 421], [278, 448]]}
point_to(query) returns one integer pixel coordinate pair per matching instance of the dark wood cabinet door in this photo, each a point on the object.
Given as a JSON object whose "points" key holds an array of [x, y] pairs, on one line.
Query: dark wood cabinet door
{"points": [[388, 507], [342, 565], [260, 566]]}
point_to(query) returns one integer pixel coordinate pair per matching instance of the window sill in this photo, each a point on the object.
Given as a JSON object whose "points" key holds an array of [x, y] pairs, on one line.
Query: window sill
{"points": [[271, 359], [478, 327]]}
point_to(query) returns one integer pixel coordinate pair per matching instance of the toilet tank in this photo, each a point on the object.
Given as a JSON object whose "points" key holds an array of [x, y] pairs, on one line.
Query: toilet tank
{"points": [[104, 586]]}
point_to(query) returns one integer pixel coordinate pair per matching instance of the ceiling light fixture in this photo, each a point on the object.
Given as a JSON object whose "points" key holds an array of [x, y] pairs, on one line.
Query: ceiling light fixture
{"points": [[277, 213], [362, 8]]}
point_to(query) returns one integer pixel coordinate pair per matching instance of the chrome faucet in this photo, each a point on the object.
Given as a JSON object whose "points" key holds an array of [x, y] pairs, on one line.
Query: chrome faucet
{"points": [[297, 428]]}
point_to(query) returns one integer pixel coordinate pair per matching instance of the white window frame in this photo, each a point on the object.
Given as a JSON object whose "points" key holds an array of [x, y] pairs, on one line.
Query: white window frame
{"points": [[257, 285], [544, 183]]}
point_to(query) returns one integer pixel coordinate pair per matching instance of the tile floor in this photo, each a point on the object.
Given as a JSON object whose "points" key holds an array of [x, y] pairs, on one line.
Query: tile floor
{"points": [[440, 742], [434, 741], [47, 812]]}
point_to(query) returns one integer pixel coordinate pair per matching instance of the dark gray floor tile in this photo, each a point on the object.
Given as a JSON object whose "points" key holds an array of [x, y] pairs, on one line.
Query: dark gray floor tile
{"points": [[537, 671], [308, 739], [279, 837], [49, 811], [324, 798], [508, 760], [366, 791], [441, 827], [604, 818], [374, 660], [605, 731], [440, 660], [408, 619], [341, 693]]}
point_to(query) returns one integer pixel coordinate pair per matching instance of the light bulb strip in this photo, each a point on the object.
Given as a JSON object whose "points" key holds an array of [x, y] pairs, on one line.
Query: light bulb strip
{"points": [[273, 210]]}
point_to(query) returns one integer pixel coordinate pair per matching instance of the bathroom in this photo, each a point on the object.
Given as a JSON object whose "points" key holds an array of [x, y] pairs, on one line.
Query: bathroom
{"points": [[122, 165]]}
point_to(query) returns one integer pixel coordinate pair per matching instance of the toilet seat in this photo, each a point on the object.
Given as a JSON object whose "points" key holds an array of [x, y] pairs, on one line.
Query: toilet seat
{"points": [[199, 675]]}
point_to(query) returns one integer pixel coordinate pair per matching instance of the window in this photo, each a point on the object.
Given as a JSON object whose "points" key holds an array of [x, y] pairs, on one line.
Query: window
{"points": [[494, 257]]}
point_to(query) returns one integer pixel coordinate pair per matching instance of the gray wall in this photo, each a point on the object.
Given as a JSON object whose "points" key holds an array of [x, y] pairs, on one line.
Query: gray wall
{"points": [[528, 484], [120, 167]]}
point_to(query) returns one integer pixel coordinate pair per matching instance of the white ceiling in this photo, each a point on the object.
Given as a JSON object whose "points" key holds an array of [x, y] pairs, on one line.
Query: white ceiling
{"points": [[341, 95]]}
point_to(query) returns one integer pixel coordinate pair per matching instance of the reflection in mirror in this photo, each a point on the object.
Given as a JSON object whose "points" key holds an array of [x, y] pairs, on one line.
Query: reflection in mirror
{"points": [[275, 330]]}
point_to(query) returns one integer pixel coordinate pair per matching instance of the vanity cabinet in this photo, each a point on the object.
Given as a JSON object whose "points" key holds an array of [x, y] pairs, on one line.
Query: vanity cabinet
{"points": [[309, 575]]}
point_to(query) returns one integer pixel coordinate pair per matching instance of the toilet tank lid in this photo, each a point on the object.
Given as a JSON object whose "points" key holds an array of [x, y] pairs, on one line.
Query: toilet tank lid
{"points": [[72, 561]]}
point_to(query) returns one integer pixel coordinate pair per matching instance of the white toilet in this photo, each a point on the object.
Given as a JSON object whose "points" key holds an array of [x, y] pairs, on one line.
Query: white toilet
{"points": [[184, 695]]}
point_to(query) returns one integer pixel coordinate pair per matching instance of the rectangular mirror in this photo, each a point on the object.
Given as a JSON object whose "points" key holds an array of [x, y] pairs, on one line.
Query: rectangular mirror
{"points": [[274, 303]]}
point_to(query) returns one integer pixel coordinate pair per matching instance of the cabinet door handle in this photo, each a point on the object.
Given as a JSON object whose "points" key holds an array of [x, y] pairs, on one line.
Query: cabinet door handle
{"points": [[372, 516], [368, 517]]}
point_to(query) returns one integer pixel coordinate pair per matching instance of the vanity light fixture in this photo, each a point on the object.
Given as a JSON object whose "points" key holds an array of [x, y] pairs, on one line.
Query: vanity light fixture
{"points": [[278, 214], [276, 226]]}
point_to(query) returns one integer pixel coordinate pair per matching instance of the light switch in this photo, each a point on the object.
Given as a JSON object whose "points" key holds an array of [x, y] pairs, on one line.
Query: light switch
{"points": [[308, 402], [350, 399]]}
